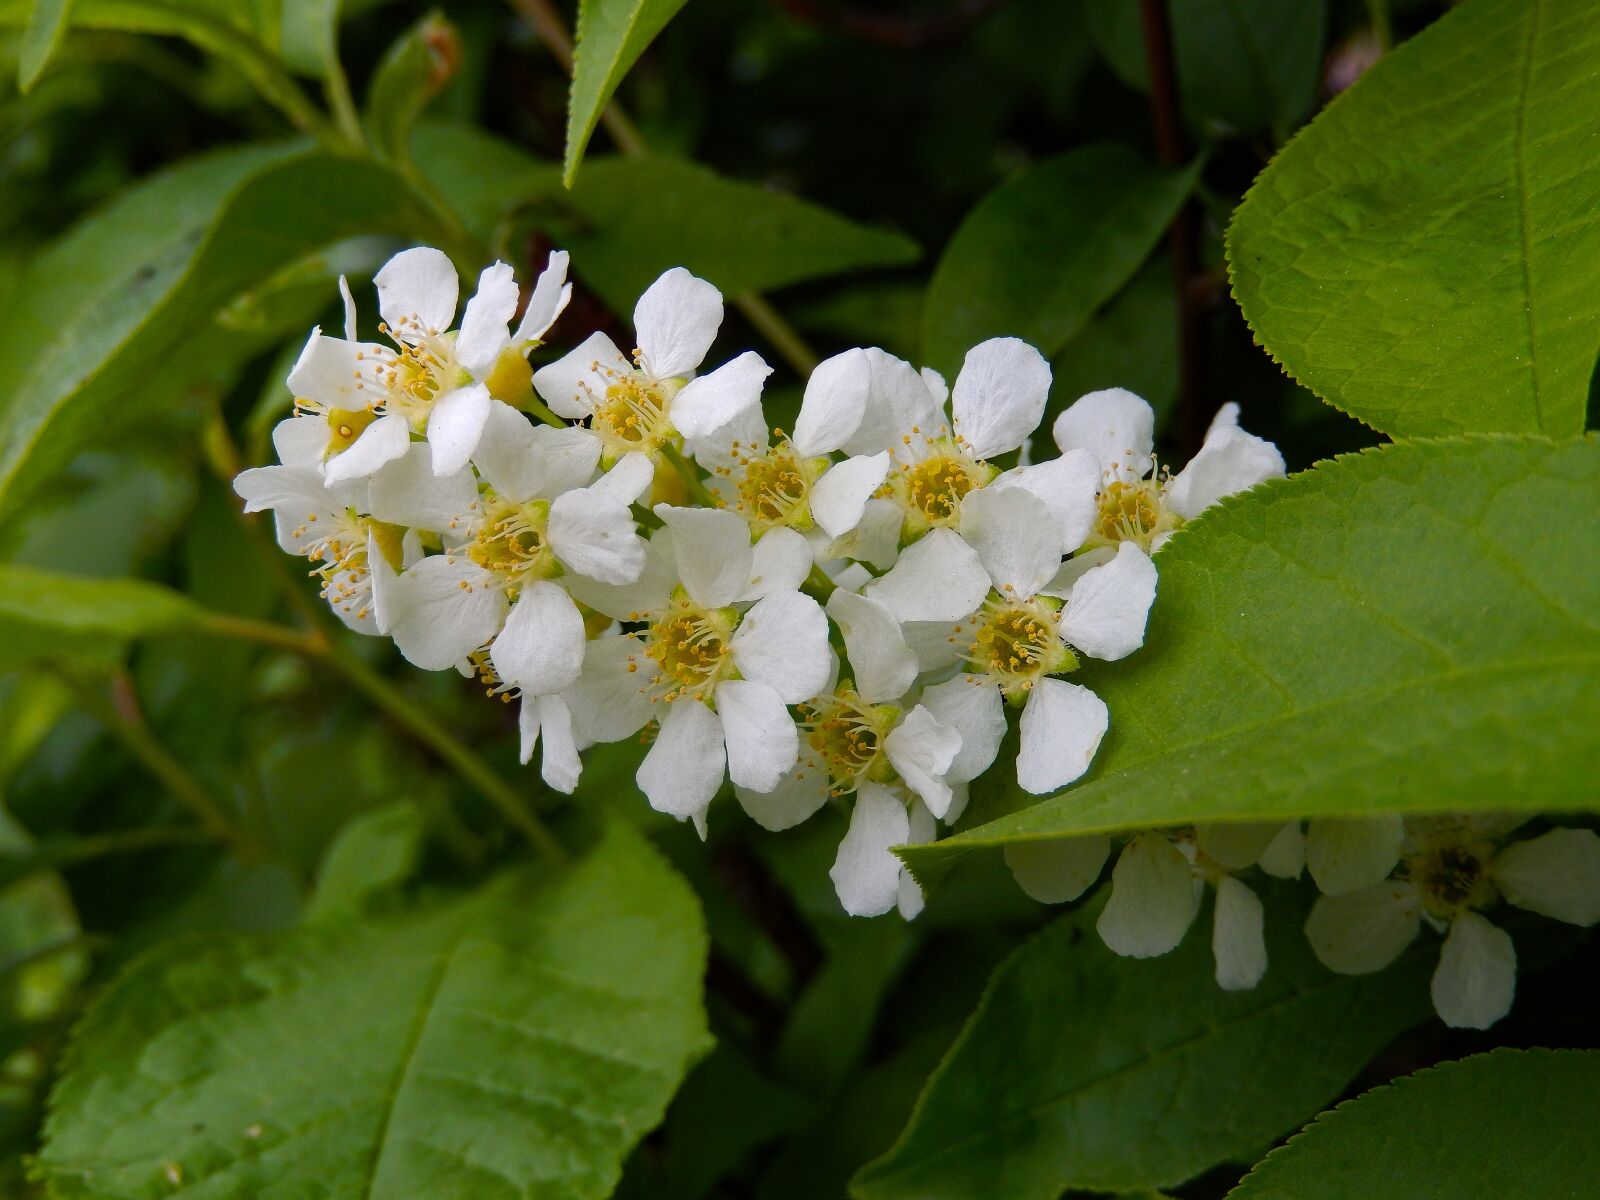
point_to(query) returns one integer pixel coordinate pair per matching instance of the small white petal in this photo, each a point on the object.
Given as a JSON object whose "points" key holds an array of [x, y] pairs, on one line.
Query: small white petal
{"points": [[865, 875], [839, 498], [595, 536], [1075, 568], [484, 321], [1346, 854], [561, 766], [897, 402], [628, 480], [1062, 869], [550, 295], [417, 292], [921, 748], [339, 374], [1230, 461], [1285, 855], [835, 401], [1152, 901], [685, 766], [1235, 844], [1015, 537], [295, 495], [1556, 875], [712, 549], [1108, 607], [937, 652], [436, 621], [883, 665], [936, 386], [801, 792], [760, 735], [676, 320], [874, 540], [1477, 974], [1238, 940], [1069, 486], [301, 442], [1365, 930], [608, 701], [576, 382], [999, 395], [1114, 425], [783, 642], [712, 401], [410, 492], [455, 425], [650, 593], [385, 440], [923, 828], [349, 309], [939, 578], [1062, 724], [971, 704], [780, 562], [540, 649]]}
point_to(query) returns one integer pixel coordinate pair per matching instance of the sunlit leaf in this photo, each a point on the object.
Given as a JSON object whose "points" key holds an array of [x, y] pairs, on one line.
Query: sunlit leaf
{"points": [[611, 35]]}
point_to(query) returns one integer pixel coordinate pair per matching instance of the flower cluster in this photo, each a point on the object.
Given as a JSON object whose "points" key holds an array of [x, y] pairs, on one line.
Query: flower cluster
{"points": [[619, 541]]}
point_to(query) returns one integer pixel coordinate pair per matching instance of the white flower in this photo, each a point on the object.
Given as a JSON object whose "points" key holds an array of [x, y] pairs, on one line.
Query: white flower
{"points": [[1156, 888], [717, 676], [1345, 854], [650, 402], [1137, 502], [1452, 868], [1018, 636], [868, 879]]}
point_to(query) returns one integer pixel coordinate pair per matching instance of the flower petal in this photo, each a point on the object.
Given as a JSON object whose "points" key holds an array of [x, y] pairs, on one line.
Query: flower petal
{"points": [[685, 766], [301, 442], [865, 875], [576, 383], [339, 374], [1346, 854], [596, 536], [1015, 537], [628, 480], [713, 553], [762, 742], [561, 766], [783, 642], [883, 665], [839, 498], [443, 609], [1285, 855], [1362, 931], [1114, 425], [635, 601], [417, 292], [484, 322], [1058, 870], [971, 704], [709, 402], [1556, 875], [608, 701], [385, 440], [939, 578], [297, 498], [1235, 844], [1108, 607], [999, 395], [455, 425], [780, 562], [676, 321], [801, 792], [540, 649], [922, 828], [1076, 567], [1238, 939], [921, 748], [410, 492], [1069, 486], [834, 403], [1230, 461], [551, 291], [1062, 724], [1152, 901], [898, 402], [349, 309], [1477, 975]]}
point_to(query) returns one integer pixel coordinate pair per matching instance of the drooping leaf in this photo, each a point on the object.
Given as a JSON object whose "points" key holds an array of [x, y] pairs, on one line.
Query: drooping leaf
{"points": [[1482, 1128], [611, 34], [1407, 629], [47, 25], [138, 283], [374, 851], [44, 614], [514, 1042], [309, 35], [419, 64], [1082, 1069], [1045, 249], [1426, 254]]}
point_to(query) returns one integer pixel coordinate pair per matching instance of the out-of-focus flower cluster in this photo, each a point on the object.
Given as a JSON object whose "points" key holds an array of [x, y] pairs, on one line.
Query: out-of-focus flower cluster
{"points": [[837, 613]]}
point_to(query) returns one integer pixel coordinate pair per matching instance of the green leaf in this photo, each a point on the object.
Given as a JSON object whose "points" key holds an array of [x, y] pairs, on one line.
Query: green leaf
{"points": [[44, 615], [309, 35], [1045, 249], [1132, 342], [413, 71], [611, 35], [1426, 254], [515, 1042], [739, 236], [1407, 629], [1083, 1069], [138, 284], [374, 851], [1482, 1128], [47, 25]]}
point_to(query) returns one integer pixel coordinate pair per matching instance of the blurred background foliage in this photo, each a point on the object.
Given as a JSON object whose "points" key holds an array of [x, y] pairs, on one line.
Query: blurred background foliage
{"points": [[914, 122]]}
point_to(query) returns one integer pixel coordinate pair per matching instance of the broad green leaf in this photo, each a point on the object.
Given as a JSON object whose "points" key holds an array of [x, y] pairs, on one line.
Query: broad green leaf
{"points": [[412, 72], [1406, 629], [1507, 1123], [1426, 254], [611, 35], [482, 176], [1082, 1069], [138, 284], [44, 615], [47, 25], [374, 851], [515, 1042], [1132, 342], [1045, 249]]}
